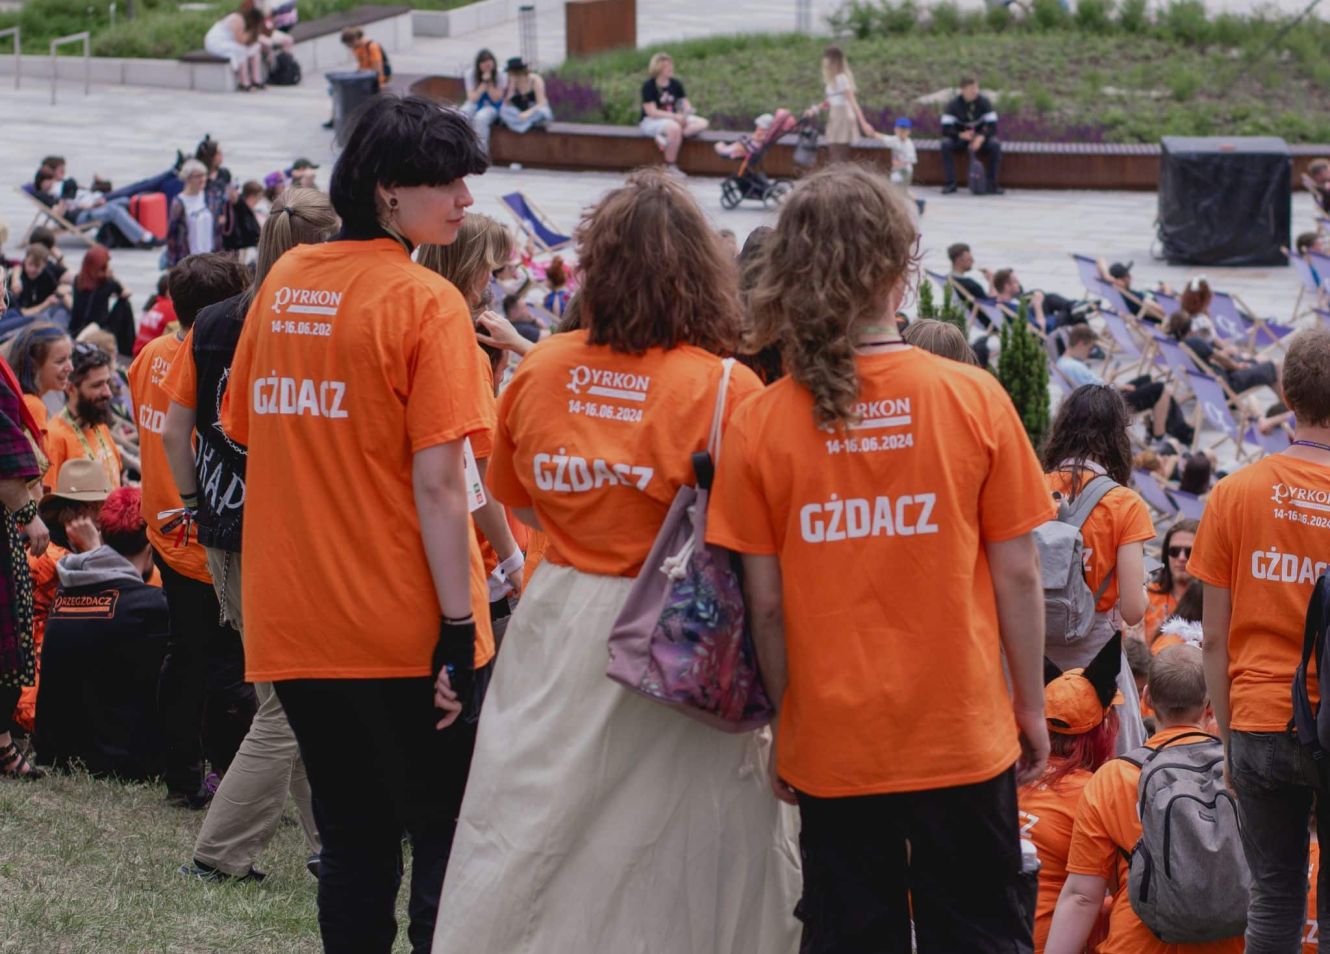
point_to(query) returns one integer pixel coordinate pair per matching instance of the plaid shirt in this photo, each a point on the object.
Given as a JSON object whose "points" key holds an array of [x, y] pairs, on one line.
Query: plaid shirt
{"points": [[16, 457]]}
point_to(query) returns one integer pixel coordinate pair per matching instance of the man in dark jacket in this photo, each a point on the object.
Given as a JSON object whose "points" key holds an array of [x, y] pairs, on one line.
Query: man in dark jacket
{"points": [[105, 637], [970, 125]]}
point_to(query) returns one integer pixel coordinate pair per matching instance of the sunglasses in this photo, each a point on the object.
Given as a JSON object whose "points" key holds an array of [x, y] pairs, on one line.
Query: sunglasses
{"points": [[1176, 552]]}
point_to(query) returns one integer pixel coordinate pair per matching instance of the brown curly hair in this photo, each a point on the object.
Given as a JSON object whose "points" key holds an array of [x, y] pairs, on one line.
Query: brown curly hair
{"points": [[654, 274], [844, 243]]}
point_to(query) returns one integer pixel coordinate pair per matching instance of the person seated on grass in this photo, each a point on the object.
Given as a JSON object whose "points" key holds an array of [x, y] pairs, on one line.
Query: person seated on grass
{"points": [[1141, 303], [1316, 180], [524, 104], [37, 292], [100, 299], [1141, 393], [1215, 356], [1108, 824], [102, 653], [667, 115], [970, 126]]}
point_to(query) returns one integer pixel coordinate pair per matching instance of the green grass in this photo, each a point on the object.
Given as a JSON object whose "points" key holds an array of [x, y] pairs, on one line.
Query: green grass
{"points": [[1108, 73], [158, 29], [90, 866]]}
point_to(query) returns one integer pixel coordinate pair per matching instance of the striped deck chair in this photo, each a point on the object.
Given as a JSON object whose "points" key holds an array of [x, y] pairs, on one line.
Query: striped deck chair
{"points": [[538, 227], [1144, 483], [1309, 285], [1190, 506], [1212, 405], [56, 222]]}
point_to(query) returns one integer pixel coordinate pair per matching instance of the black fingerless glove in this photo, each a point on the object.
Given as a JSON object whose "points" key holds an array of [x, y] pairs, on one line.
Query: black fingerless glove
{"points": [[456, 652]]}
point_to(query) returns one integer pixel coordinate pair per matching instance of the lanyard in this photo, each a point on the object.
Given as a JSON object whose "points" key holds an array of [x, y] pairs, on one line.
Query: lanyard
{"points": [[106, 454]]}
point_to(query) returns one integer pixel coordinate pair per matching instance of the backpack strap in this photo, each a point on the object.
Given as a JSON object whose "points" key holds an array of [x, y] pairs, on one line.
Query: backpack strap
{"points": [[1313, 645], [1078, 511], [704, 462]]}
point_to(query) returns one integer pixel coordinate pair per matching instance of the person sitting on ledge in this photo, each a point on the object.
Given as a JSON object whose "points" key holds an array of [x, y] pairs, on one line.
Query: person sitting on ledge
{"points": [[667, 116], [524, 105], [1316, 180], [970, 125]]}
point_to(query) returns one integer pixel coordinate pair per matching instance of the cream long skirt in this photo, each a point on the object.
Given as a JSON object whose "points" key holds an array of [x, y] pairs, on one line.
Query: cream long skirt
{"points": [[599, 822]]}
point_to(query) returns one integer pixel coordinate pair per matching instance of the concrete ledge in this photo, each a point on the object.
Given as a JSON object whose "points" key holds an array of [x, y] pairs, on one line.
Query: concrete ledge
{"points": [[1028, 165]]}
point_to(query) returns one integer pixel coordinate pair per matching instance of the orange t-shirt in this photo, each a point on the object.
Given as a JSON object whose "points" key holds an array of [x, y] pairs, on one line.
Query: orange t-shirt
{"points": [[94, 443], [1121, 517], [1107, 824], [599, 443], [1046, 816], [369, 56], [866, 524], [1159, 607], [1264, 537], [151, 401], [181, 384], [352, 359]]}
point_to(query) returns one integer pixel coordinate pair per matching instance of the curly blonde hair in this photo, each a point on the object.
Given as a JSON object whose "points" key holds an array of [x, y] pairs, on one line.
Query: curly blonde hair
{"points": [[844, 243]]}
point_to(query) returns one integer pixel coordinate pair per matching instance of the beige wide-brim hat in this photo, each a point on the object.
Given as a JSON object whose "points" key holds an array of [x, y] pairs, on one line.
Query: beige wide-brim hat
{"points": [[80, 481]]}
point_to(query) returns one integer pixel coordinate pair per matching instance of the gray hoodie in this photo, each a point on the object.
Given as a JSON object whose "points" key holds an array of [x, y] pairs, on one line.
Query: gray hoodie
{"points": [[100, 567]]}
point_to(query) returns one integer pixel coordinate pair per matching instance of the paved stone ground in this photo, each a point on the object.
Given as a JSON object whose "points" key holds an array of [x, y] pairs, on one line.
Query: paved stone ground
{"points": [[125, 133]]}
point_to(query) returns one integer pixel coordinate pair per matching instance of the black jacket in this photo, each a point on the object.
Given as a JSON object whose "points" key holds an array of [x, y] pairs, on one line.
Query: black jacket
{"points": [[101, 658], [978, 115], [219, 463]]}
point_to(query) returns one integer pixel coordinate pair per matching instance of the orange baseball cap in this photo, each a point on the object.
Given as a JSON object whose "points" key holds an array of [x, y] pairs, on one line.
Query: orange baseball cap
{"points": [[1076, 701]]}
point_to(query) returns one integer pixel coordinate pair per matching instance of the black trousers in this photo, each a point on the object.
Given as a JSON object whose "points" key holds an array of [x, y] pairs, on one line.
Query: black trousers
{"points": [[990, 152], [951, 853], [9, 697], [378, 769], [203, 700]]}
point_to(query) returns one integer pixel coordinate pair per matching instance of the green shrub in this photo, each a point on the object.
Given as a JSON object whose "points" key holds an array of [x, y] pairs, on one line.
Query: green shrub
{"points": [[898, 18], [1040, 98], [1134, 16], [997, 18], [1094, 16], [1186, 22], [1049, 15], [1182, 82], [1228, 29], [945, 18]]}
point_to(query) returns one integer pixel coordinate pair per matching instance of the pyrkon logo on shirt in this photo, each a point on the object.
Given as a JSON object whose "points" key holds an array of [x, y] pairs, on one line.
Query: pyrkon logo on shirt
{"points": [[306, 301], [620, 385], [1304, 498]]}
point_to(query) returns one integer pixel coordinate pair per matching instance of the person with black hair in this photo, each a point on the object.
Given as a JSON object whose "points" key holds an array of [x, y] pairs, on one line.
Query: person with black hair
{"points": [[83, 426], [1089, 439], [370, 638], [206, 703], [1166, 590], [969, 125], [486, 85]]}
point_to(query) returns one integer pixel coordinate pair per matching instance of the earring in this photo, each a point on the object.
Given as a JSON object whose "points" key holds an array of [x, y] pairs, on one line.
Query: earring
{"points": [[392, 203]]}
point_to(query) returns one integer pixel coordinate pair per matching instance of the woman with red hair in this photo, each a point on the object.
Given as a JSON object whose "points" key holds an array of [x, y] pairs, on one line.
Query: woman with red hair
{"points": [[1083, 731], [95, 290]]}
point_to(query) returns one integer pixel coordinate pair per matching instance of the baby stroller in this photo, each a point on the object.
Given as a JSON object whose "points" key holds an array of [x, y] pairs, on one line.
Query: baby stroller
{"points": [[751, 182]]}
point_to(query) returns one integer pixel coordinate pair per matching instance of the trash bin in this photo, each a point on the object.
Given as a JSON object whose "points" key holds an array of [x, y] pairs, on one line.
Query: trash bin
{"points": [[350, 88]]}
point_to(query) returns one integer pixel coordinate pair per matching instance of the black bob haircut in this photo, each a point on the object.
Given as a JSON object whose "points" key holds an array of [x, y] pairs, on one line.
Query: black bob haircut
{"points": [[400, 141]]}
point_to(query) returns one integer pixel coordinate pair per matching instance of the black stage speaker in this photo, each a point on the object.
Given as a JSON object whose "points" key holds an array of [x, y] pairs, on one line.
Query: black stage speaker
{"points": [[1225, 201]]}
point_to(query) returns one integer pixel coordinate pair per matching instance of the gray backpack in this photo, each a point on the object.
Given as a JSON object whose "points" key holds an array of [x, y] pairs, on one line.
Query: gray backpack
{"points": [[1188, 881], [1068, 600]]}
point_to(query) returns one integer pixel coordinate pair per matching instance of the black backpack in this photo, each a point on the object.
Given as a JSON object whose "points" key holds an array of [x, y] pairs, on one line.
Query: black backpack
{"points": [[285, 70], [1313, 723]]}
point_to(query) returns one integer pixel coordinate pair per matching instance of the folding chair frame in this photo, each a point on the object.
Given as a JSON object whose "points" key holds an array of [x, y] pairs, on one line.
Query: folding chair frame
{"points": [[61, 224], [545, 220]]}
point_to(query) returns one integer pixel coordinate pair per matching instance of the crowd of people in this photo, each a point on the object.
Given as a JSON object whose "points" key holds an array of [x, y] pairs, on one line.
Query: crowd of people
{"points": [[472, 453]]}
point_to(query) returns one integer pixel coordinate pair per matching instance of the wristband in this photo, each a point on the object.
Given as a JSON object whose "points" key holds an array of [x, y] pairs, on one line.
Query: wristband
{"points": [[191, 501], [26, 514]]}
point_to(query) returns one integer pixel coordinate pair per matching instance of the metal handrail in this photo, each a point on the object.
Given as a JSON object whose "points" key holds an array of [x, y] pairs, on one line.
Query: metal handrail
{"points": [[18, 52], [86, 38]]}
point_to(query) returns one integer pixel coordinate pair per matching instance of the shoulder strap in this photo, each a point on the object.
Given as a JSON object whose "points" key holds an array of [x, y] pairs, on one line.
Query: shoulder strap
{"points": [[1138, 756], [1079, 507], [1313, 645], [718, 415]]}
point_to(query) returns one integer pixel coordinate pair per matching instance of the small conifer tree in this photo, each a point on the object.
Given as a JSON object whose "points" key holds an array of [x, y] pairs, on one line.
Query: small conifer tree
{"points": [[1023, 371]]}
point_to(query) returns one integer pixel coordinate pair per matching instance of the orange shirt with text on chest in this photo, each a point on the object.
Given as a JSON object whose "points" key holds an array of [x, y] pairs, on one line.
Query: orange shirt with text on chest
{"points": [[891, 630], [1107, 824], [599, 443], [352, 359], [1265, 537], [65, 441], [146, 377]]}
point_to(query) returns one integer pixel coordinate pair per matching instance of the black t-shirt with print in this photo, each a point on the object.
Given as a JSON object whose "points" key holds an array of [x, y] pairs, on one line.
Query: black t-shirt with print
{"points": [[34, 291], [665, 99]]}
